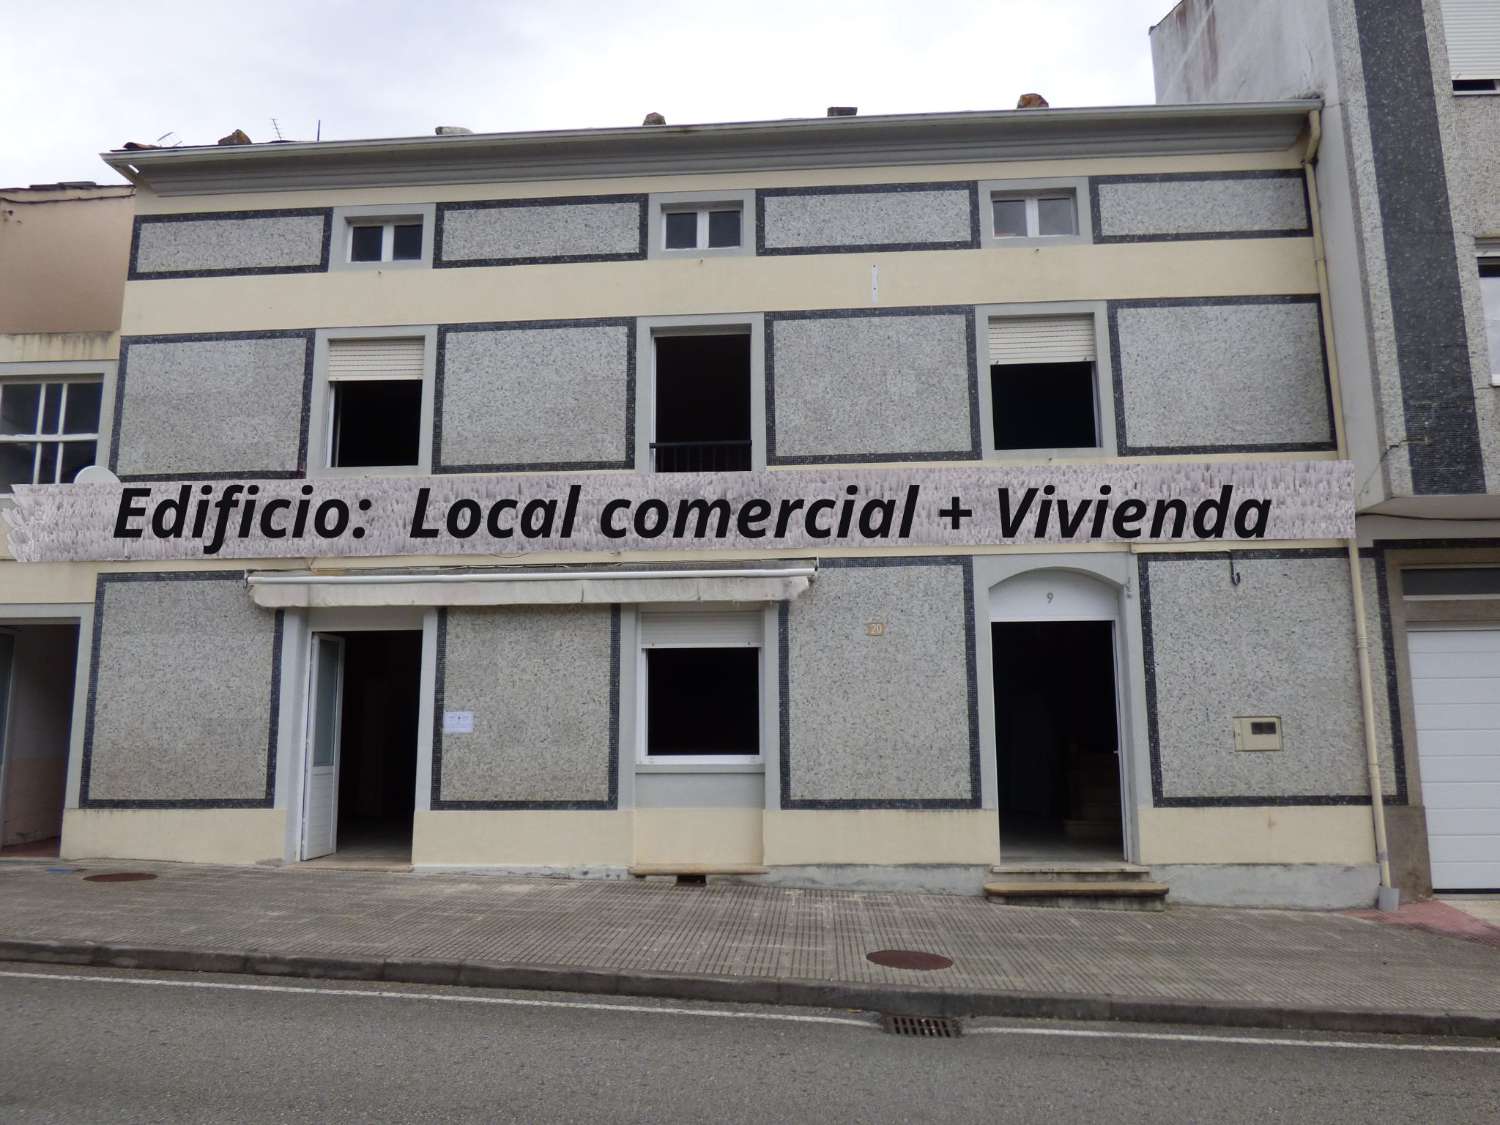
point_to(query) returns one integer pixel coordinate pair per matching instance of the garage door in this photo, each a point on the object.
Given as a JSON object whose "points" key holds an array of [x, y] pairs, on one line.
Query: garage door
{"points": [[1455, 678]]}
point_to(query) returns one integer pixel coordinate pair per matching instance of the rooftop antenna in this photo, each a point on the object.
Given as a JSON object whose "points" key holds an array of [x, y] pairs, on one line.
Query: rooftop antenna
{"points": [[277, 127], [319, 136], [168, 133]]}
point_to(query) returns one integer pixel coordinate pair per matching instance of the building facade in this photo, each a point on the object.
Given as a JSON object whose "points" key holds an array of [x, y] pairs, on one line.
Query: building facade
{"points": [[1406, 174], [808, 298]]}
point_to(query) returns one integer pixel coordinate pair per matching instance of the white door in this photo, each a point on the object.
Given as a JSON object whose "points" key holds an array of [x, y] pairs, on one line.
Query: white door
{"points": [[325, 693], [7, 659], [1455, 683]]}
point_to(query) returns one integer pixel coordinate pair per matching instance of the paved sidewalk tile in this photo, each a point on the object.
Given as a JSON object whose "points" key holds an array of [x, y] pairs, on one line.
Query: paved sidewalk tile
{"points": [[1298, 959]]}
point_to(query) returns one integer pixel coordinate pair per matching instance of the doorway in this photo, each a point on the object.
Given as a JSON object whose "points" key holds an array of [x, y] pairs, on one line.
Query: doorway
{"points": [[37, 666], [360, 792]]}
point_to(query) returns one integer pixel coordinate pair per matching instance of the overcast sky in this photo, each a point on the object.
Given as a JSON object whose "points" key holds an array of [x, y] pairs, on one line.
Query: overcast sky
{"points": [[78, 77]]}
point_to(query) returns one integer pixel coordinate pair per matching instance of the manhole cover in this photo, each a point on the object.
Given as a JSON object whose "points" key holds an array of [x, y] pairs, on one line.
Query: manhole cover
{"points": [[909, 959], [922, 1027], [119, 877]]}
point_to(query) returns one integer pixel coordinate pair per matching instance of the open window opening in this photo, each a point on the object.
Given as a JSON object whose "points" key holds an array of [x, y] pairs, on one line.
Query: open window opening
{"points": [[362, 761], [1043, 384], [1057, 740], [375, 408], [702, 393], [37, 664], [702, 703]]}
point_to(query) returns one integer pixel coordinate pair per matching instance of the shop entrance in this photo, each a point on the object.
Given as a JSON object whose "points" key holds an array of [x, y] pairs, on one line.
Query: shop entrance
{"points": [[360, 789], [37, 664]]}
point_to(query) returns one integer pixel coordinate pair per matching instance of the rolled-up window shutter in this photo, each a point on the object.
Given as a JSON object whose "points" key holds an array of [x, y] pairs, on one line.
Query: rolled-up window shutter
{"points": [[706, 629], [1042, 339], [1472, 28], [376, 359]]}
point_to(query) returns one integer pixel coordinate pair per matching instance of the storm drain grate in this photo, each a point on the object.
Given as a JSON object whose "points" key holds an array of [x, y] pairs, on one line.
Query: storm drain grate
{"points": [[119, 877], [921, 1027]]}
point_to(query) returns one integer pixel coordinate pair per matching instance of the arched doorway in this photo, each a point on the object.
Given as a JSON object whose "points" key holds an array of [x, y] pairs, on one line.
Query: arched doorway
{"points": [[1053, 638]]}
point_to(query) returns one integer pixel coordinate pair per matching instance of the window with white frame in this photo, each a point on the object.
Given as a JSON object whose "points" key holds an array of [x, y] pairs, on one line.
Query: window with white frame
{"points": [[705, 226], [385, 240], [49, 429], [1046, 214], [375, 389], [699, 688], [1043, 391], [1472, 30], [1489, 290]]}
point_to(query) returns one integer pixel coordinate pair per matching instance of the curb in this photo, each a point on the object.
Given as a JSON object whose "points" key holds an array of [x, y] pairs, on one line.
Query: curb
{"points": [[896, 999]]}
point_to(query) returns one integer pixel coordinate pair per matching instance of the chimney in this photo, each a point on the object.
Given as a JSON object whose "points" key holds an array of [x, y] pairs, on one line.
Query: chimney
{"points": [[843, 110], [1031, 101], [654, 119]]}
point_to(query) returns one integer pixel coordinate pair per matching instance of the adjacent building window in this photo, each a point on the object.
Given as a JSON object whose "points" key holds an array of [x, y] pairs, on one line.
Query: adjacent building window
{"points": [[699, 690], [397, 240], [375, 402], [1043, 384], [702, 402], [1489, 288], [1051, 214], [1472, 29], [701, 228], [49, 430]]}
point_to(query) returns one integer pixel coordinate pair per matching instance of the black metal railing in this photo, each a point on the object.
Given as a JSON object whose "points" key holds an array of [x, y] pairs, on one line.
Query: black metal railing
{"points": [[700, 456]]}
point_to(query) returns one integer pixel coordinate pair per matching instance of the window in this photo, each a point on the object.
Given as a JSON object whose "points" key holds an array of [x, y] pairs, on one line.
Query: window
{"points": [[1472, 29], [49, 430], [1489, 289], [1050, 215], [1042, 383], [395, 241], [375, 398], [702, 393], [701, 228], [699, 690]]}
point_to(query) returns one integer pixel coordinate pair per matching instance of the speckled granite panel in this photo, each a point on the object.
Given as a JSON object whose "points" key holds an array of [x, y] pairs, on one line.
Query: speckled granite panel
{"points": [[538, 683], [183, 697], [847, 386], [1202, 206], [536, 396], [563, 230], [1194, 376], [1280, 643], [212, 406], [230, 244], [866, 218], [882, 718]]}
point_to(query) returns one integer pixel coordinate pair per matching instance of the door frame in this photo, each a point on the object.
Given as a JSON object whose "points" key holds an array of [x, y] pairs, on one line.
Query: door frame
{"points": [[310, 737]]}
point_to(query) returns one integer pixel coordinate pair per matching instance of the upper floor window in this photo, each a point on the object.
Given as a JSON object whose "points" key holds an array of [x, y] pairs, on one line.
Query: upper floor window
{"points": [[701, 388], [1042, 383], [701, 228], [375, 402], [49, 430], [1046, 214], [399, 240], [376, 235], [1472, 29], [701, 224], [1489, 289]]}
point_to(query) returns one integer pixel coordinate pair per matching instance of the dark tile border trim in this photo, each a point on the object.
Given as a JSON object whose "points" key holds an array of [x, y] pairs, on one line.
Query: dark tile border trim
{"points": [[783, 644], [610, 803], [134, 273], [1148, 646], [1100, 238], [969, 186], [443, 209], [307, 335], [273, 722], [443, 330], [1416, 228], [973, 453], [1123, 448]]}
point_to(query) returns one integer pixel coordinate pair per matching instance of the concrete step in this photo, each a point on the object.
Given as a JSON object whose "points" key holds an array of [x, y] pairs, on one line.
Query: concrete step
{"points": [[1115, 894], [1077, 872], [646, 870]]}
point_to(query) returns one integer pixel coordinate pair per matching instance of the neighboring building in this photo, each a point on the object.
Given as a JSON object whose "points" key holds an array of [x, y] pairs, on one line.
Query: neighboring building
{"points": [[63, 249], [1408, 180], [1092, 285]]}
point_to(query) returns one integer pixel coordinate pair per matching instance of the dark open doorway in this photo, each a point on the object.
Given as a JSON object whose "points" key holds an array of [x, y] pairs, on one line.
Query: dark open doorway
{"points": [[1056, 740], [37, 663], [378, 745]]}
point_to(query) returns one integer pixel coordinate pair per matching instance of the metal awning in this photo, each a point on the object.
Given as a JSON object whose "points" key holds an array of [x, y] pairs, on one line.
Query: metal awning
{"points": [[280, 589]]}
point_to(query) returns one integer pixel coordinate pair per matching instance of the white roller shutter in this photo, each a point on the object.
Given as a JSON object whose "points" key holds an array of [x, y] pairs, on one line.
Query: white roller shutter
{"points": [[1042, 339], [1455, 687], [705, 630], [1472, 28], [376, 359]]}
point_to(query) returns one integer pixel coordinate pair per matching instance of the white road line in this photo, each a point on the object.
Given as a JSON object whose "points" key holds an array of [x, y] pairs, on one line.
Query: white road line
{"points": [[1259, 1041], [386, 994]]}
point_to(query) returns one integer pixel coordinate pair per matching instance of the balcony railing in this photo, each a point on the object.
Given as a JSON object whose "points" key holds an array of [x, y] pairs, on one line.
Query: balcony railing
{"points": [[700, 456]]}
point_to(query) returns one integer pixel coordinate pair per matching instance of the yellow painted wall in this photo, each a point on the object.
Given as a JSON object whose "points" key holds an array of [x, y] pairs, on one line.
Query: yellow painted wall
{"points": [[522, 838], [708, 836], [237, 836], [818, 836], [1294, 834]]}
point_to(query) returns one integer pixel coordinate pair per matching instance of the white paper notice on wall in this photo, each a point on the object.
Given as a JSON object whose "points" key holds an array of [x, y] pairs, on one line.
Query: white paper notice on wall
{"points": [[458, 722]]}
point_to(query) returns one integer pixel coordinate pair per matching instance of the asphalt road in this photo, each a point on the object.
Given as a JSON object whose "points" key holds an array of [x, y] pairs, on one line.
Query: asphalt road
{"points": [[103, 1045]]}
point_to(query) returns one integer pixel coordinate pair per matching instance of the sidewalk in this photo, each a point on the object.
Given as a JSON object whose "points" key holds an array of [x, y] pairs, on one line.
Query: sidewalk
{"points": [[734, 941]]}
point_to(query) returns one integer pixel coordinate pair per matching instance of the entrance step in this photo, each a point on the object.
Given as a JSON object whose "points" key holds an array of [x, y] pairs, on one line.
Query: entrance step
{"points": [[1094, 894], [646, 870], [1076, 871]]}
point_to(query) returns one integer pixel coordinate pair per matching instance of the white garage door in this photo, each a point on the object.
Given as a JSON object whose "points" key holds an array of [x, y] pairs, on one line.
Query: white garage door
{"points": [[1455, 679]]}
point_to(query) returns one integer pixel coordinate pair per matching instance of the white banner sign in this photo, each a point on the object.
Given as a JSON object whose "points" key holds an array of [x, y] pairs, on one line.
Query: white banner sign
{"points": [[815, 508]]}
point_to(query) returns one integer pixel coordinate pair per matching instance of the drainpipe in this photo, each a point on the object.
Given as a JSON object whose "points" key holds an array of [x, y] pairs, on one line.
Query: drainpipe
{"points": [[1388, 896]]}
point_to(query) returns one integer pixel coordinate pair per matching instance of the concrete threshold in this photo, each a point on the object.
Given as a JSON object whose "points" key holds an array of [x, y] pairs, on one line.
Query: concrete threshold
{"points": [[895, 999]]}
